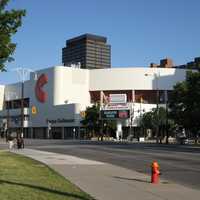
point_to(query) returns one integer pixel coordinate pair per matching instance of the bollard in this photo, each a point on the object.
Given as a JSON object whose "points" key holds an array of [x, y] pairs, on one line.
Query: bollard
{"points": [[155, 173]]}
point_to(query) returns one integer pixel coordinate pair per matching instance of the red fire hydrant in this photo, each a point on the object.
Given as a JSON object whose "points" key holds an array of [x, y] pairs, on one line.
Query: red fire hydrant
{"points": [[155, 172]]}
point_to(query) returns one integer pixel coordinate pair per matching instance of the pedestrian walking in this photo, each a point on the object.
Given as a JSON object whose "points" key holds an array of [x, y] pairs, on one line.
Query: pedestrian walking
{"points": [[19, 143], [22, 142], [10, 143]]}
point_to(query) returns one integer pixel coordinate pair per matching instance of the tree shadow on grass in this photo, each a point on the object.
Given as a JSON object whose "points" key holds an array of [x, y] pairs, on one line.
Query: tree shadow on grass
{"points": [[44, 189], [132, 179]]}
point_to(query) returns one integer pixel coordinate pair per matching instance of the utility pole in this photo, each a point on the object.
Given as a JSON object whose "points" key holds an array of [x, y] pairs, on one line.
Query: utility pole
{"points": [[131, 117], [22, 109], [141, 129], [167, 128]]}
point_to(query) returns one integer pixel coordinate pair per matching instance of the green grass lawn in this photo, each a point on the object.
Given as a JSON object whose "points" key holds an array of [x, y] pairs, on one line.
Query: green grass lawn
{"points": [[22, 178]]}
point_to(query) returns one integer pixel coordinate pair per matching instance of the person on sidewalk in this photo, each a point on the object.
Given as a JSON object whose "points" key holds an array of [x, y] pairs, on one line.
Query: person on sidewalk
{"points": [[10, 143], [20, 143]]}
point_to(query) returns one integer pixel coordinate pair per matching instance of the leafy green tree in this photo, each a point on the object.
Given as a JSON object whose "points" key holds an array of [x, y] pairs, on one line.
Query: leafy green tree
{"points": [[95, 126], [110, 128], [10, 21], [177, 103], [157, 119], [91, 120], [147, 120], [185, 103]]}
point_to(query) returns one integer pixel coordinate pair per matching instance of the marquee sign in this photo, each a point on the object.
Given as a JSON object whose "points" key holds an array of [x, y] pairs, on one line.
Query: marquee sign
{"points": [[115, 114], [117, 98], [40, 94]]}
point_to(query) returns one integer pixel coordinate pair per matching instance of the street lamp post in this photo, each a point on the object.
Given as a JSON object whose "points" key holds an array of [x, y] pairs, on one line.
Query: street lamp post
{"points": [[167, 128], [22, 109], [157, 102], [23, 73], [131, 118]]}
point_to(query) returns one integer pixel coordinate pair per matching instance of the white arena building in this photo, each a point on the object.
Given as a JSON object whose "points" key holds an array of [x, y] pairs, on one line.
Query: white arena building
{"points": [[59, 95]]}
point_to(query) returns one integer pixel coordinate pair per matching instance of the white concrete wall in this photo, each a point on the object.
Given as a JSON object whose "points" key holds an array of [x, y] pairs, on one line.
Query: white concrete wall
{"points": [[134, 78], [59, 89], [68, 89], [13, 91], [71, 86], [1, 96]]}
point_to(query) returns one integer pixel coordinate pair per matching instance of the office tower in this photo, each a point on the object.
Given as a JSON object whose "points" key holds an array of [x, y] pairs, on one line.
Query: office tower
{"points": [[91, 51]]}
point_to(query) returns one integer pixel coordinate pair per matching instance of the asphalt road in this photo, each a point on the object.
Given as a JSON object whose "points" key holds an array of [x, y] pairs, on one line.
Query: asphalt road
{"points": [[179, 163]]}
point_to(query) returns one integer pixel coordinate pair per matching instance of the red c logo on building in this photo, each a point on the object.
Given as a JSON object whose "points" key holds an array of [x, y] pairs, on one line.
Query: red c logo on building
{"points": [[40, 94]]}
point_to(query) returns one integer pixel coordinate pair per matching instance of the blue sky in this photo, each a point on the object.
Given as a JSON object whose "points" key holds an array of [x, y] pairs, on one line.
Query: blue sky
{"points": [[139, 31]]}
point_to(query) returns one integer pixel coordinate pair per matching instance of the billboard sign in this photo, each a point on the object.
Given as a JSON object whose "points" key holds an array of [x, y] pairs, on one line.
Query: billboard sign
{"points": [[117, 98], [115, 114]]}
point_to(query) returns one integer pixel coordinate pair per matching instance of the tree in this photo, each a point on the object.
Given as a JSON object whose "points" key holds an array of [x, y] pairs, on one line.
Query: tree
{"points": [[147, 120], [10, 21], [95, 125], [177, 103], [157, 119], [184, 103], [91, 120], [111, 128]]}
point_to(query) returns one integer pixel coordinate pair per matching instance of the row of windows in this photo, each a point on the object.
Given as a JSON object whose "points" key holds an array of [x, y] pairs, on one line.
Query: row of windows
{"points": [[75, 45], [16, 118], [88, 51], [94, 48], [97, 58], [87, 57], [95, 41], [94, 56], [98, 53], [105, 51], [74, 51], [71, 58], [97, 44], [84, 43], [98, 62], [16, 104]]}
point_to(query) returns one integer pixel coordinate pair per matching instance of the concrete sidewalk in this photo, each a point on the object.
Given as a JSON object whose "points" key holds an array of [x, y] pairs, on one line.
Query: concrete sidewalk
{"points": [[107, 182]]}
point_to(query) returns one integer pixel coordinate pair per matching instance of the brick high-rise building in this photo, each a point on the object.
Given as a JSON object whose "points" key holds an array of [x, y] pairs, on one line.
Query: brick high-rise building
{"points": [[91, 51]]}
